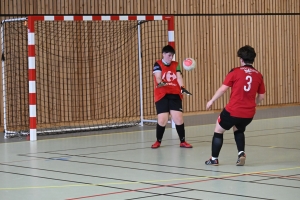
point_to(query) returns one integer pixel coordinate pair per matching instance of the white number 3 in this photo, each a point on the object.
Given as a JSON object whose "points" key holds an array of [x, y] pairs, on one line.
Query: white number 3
{"points": [[248, 86]]}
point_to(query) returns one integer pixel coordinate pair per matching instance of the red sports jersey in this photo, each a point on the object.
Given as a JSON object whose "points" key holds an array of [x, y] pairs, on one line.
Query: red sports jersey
{"points": [[169, 77], [245, 83]]}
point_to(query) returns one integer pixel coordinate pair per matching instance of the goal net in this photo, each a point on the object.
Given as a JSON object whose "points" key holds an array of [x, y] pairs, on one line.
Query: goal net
{"points": [[79, 73]]}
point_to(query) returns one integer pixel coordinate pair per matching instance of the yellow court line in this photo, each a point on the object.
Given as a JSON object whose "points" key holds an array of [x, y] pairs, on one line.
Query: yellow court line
{"points": [[152, 181]]}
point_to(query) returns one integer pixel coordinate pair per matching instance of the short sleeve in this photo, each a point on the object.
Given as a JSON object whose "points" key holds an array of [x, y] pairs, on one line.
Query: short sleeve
{"points": [[178, 68], [156, 68], [261, 88], [229, 79]]}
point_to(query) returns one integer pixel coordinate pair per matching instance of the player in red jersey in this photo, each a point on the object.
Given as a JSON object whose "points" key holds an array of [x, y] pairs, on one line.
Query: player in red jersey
{"points": [[247, 91], [168, 92]]}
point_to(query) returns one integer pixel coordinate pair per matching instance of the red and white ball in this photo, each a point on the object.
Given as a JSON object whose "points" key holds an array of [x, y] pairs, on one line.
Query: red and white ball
{"points": [[189, 64]]}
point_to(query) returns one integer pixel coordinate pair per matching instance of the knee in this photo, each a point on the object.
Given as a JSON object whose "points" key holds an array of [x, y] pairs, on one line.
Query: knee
{"points": [[177, 118], [162, 121], [178, 121]]}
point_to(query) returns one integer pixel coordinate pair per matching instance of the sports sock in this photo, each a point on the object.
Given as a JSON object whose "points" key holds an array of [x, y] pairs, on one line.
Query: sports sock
{"points": [[217, 143], [214, 158], [239, 140], [159, 132], [181, 132]]}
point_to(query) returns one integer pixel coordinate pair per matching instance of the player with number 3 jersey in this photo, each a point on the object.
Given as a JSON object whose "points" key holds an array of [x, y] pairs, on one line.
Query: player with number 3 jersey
{"points": [[247, 91], [245, 83]]}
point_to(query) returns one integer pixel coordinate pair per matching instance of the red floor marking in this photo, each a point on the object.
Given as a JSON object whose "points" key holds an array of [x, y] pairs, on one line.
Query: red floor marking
{"points": [[161, 186]]}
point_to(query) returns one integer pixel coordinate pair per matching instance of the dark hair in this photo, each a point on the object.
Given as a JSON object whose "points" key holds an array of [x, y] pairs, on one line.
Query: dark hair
{"points": [[247, 53], [168, 49]]}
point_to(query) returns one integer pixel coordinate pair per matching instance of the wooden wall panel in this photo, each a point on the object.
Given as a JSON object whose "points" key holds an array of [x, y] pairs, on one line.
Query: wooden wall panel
{"points": [[214, 45], [147, 7]]}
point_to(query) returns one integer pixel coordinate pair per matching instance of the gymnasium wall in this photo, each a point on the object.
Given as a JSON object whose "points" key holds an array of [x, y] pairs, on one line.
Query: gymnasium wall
{"points": [[210, 31]]}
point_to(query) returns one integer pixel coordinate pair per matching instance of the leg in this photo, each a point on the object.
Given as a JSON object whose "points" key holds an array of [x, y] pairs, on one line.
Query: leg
{"points": [[162, 110], [178, 120], [223, 123], [162, 120], [239, 137], [217, 141], [177, 116], [239, 130]]}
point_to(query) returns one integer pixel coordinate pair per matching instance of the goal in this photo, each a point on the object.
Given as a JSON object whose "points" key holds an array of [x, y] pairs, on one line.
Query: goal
{"points": [[80, 73]]}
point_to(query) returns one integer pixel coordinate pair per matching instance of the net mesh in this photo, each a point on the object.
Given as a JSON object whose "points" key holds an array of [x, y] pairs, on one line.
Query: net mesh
{"points": [[87, 74]]}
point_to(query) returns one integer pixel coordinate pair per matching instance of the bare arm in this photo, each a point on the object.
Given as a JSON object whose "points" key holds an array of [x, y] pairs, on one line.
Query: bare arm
{"points": [[217, 95], [179, 79], [259, 98], [157, 76]]}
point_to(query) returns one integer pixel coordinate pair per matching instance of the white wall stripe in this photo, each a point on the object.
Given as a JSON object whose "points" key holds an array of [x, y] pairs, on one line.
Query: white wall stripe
{"points": [[31, 62], [68, 18], [32, 87], [49, 18], [105, 17], [171, 36], [123, 17], [87, 18], [32, 110], [30, 38], [141, 17]]}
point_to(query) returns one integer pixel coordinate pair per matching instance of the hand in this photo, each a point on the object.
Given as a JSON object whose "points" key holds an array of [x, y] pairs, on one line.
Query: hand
{"points": [[184, 91], [209, 104], [161, 84]]}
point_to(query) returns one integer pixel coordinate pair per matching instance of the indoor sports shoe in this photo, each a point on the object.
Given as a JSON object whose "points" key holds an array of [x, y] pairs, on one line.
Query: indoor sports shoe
{"points": [[212, 162], [185, 145], [241, 159], [155, 145]]}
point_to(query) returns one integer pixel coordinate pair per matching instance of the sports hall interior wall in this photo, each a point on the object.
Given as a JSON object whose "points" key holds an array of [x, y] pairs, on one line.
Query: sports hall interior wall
{"points": [[210, 31]]}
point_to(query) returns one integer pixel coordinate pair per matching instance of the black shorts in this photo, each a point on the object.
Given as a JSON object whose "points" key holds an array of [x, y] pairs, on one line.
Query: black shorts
{"points": [[227, 122], [169, 102]]}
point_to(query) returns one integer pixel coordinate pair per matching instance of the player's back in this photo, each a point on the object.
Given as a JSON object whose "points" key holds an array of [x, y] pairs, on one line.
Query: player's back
{"points": [[245, 83]]}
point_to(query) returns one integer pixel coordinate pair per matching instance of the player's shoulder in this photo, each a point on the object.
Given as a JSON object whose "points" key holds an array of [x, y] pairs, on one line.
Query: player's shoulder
{"points": [[233, 69], [174, 62], [156, 66], [156, 63]]}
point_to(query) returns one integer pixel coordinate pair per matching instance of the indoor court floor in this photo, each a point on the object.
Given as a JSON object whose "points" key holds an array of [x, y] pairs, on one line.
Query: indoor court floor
{"points": [[120, 165]]}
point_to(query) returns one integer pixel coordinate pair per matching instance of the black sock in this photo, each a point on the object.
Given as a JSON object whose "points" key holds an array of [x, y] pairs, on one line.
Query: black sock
{"points": [[181, 132], [159, 132], [239, 140], [217, 143]]}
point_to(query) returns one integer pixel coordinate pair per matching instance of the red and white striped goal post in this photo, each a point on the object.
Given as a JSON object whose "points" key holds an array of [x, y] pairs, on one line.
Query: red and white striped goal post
{"points": [[31, 49]]}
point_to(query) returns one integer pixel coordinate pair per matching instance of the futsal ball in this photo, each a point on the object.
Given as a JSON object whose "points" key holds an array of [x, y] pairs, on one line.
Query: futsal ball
{"points": [[189, 64]]}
